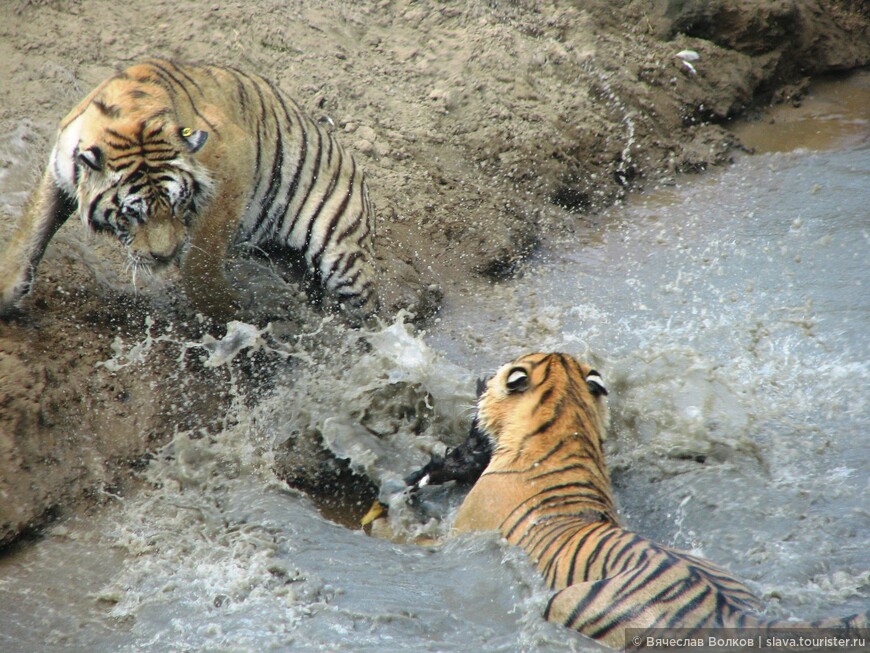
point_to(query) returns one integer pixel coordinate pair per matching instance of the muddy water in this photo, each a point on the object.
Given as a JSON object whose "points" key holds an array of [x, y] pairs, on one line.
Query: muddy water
{"points": [[729, 316]]}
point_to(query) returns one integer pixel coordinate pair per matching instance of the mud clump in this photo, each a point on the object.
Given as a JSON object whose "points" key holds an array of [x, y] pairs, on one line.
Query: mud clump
{"points": [[484, 129]]}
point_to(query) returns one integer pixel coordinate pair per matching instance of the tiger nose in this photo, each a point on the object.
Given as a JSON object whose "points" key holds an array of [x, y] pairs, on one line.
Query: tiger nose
{"points": [[162, 240]]}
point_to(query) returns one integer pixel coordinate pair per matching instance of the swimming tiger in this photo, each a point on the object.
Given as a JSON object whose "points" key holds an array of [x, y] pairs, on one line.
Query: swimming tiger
{"points": [[547, 490], [180, 161]]}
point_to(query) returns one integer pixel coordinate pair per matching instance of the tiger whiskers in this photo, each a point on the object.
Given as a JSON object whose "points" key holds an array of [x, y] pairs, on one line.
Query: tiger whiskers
{"points": [[189, 245], [133, 270], [134, 266]]}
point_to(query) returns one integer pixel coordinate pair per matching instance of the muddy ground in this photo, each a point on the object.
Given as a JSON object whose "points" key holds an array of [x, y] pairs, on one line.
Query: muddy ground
{"points": [[484, 128]]}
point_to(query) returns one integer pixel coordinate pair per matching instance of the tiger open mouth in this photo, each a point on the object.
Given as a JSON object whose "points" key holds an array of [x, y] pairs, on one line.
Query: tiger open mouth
{"points": [[154, 261], [160, 261]]}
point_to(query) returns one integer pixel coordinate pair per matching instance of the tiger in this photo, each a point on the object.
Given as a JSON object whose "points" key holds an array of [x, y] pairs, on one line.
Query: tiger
{"points": [[547, 490], [181, 161]]}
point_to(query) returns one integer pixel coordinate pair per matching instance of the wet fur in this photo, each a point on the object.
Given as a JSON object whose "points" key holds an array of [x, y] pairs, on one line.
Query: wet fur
{"points": [[547, 490]]}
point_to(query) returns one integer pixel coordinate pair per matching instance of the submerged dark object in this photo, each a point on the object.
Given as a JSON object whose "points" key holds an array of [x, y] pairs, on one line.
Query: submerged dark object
{"points": [[463, 464]]}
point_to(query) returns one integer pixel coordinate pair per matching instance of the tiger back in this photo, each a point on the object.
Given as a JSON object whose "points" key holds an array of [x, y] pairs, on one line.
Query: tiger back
{"points": [[547, 489], [182, 161]]}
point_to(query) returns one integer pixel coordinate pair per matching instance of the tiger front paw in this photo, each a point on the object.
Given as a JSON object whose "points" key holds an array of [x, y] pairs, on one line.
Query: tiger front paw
{"points": [[12, 291]]}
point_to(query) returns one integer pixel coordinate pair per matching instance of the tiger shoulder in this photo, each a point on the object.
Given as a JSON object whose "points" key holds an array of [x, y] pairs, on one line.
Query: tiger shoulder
{"points": [[182, 161]]}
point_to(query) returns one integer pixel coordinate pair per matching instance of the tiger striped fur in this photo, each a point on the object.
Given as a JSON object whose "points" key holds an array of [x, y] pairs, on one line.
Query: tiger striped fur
{"points": [[181, 161], [547, 490]]}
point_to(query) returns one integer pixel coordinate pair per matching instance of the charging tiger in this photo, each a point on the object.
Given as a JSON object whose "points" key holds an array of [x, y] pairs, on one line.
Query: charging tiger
{"points": [[547, 489], [181, 161]]}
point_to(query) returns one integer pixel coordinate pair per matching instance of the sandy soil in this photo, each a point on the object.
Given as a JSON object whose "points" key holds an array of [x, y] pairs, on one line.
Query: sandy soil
{"points": [[484, 127]]}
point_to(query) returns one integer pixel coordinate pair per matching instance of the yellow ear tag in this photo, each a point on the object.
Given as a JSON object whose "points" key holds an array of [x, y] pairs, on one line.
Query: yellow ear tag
{"points": [[187, 132]]}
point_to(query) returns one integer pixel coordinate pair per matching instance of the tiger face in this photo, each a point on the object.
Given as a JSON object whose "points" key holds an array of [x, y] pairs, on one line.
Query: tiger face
{"points": [[546, 416], [143, 185], [531, 402]]}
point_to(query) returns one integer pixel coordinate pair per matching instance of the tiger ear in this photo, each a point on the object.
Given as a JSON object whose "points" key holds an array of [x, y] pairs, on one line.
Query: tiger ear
{"points": [[193, 138], [480, 387], [92, 157], [595, 384]]}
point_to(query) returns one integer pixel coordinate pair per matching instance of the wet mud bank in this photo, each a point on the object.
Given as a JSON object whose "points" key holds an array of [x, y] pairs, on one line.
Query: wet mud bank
{"points": [[484, 129]]}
